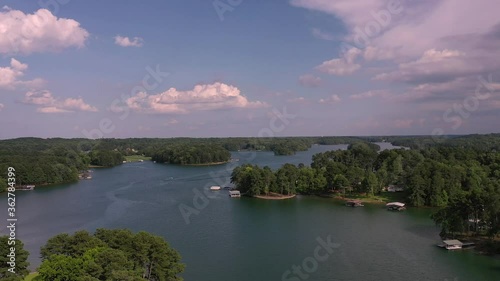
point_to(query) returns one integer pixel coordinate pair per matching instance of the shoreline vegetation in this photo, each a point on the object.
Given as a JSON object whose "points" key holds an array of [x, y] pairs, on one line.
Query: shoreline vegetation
{"points": [[382, 198], [457, 174], [461, 181], [208, 164], [273, 196]]}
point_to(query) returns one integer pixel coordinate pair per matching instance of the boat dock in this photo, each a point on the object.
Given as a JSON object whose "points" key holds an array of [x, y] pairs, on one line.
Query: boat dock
{"points": [[26, 187], [234, 194], [454, 244]]}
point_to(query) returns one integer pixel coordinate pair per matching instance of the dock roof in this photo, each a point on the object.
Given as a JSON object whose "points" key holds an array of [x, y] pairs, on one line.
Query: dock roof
{"points": [[452, 242]]}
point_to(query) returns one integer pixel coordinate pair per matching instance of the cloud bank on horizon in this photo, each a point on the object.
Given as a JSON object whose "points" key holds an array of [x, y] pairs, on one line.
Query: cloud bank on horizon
{"points": [[345, 67]]}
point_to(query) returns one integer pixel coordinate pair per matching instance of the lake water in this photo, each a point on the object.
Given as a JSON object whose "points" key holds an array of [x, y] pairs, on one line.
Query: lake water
{"points": [[247, 239]]}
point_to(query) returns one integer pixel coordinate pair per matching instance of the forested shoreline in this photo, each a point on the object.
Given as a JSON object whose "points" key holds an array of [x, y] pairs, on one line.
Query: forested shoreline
{"points": [[462, 179], [55, 161], [459, 175]]}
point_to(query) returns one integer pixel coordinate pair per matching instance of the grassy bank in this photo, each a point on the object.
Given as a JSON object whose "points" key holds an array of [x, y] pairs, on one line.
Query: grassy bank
{"points": [[137, 158], [31, 277]]}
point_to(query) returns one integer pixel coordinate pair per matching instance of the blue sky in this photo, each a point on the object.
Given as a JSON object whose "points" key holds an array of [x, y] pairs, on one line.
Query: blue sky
{"points": [[67, 70]]}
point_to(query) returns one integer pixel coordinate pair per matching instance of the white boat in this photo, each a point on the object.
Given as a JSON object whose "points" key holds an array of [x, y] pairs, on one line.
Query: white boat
{"points": [[395, 206], [215, 188]]}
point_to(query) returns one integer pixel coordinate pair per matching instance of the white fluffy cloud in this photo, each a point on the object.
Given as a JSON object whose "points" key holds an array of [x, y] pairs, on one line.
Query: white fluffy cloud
{"points": [[47, 103], [10, 76], [41, 31], [202, 97], [447, 35], [127, 42], [439, 49], [331, 100], [342, 66], [437, 66], [410, 27], [338, 67]]}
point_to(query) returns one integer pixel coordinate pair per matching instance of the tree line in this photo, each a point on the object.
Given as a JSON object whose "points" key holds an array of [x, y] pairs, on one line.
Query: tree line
{"points": [[464, 182], [330, 171], [51, 161], [192, 154], [108, 255], [56, 160]]}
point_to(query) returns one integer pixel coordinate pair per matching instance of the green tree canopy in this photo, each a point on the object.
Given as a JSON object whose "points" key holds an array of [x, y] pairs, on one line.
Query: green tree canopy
{"points": [[21, 259], [109, 255]]}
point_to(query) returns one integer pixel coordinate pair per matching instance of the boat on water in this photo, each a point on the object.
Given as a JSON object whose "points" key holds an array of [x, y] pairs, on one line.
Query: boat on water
{"points": [[26, 187], [215, 188], [395, 206], [354, 203]]}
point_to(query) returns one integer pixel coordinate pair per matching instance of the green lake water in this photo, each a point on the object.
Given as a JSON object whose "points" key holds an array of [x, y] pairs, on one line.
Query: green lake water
{"points": [[247, 239]]}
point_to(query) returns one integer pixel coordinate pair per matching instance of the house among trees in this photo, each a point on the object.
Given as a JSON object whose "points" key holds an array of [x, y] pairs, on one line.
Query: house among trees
{"points": [[395, 188]]}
